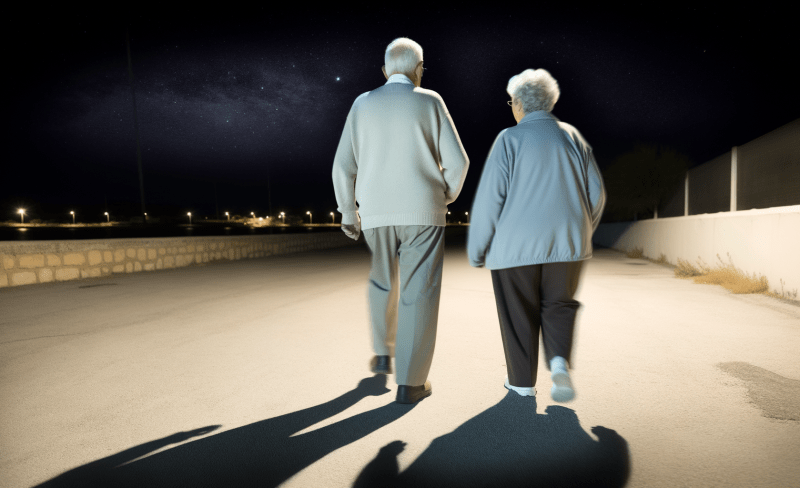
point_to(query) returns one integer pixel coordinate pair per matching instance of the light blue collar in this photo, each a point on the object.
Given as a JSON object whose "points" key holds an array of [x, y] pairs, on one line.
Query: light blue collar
{"points": [[538, 115]]}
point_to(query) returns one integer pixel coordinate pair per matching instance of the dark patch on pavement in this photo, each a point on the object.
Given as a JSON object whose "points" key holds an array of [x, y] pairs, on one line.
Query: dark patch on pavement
{"points": [[100, 284], [776, 396]]}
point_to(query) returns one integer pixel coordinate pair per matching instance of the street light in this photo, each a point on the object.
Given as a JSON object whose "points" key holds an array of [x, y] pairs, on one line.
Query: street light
{"points": [[310, 219], [283, 217], [467, 214], [228, 215], [108, 219], [333, 219], [21, 212], [145, 216], [73, 216], [190, 217]]}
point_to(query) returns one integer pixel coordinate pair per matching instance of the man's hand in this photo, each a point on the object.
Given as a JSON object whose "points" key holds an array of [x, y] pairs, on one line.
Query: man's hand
{"points": [[352, 231]]}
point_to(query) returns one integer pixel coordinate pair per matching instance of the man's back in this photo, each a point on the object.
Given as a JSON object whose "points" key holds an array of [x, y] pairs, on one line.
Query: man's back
{"points": [[403, 149]]}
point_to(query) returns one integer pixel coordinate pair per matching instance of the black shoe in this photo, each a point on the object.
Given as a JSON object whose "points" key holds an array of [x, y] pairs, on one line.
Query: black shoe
{"points": [[412, 394], [380, 365]]}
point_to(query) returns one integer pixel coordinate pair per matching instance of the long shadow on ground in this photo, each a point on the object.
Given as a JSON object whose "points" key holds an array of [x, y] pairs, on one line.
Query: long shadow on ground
{"points": [[509, 445], [261, 454]]}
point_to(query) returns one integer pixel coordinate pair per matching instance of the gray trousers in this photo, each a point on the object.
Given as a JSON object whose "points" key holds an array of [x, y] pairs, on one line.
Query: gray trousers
{"points": [[405, 284], [533, 298]]}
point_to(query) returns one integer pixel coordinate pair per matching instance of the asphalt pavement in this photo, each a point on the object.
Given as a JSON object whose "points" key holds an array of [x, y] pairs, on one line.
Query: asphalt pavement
{"points": [[255, 373]]}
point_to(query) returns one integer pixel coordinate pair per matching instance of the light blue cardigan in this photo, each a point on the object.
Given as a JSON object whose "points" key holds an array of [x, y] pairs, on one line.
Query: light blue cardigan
{"points": [[539, 199]]}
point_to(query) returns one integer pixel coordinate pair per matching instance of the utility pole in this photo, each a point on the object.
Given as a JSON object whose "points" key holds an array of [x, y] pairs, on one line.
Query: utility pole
{"points": [[135, 125], [216, 201], [269, 194]]}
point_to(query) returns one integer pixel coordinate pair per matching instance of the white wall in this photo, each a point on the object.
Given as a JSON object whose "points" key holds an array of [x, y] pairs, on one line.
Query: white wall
{"points": [[761, 241]]}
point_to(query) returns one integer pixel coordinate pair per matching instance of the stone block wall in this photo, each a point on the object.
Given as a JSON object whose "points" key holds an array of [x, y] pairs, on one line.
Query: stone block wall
{"points": [[29, 262]]}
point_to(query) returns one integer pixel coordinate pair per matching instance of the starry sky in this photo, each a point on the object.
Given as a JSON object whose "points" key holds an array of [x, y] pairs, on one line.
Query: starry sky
{"points": [[242, 109]]}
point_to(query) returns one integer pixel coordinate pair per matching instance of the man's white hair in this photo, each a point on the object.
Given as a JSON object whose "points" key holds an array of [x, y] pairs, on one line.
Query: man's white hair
{"points": [[535, 89], [402, 56]]}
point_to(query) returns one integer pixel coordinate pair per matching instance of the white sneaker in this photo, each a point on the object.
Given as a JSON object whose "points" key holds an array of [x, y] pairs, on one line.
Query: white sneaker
{"points": [[521, 390], [562, 390]]}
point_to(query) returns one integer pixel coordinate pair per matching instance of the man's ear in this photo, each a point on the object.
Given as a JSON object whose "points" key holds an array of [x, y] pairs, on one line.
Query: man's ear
{"points": [[383, 68]]}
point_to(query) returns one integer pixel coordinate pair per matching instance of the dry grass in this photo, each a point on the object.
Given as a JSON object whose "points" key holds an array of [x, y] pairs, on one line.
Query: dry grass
{"points": [[726, 275]]}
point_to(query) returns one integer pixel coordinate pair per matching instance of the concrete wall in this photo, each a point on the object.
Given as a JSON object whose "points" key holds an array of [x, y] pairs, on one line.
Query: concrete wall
{"points": [[769, 169], [28, 262], [760, 242], [710, 186], [764, 173]]}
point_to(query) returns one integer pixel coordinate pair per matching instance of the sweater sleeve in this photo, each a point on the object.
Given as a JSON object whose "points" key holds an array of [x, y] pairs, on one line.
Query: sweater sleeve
{"points": [[596, 190], [453, 157], [489, 200], [345, 169]]}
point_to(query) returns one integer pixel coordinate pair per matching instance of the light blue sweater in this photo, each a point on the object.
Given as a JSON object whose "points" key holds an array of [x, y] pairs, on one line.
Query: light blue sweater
{"points": [[539, 199], [399, 157]]}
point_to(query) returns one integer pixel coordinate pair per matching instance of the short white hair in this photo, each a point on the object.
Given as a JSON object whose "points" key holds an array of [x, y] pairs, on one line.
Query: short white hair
{"points": [[402, 56], [535, 89]]}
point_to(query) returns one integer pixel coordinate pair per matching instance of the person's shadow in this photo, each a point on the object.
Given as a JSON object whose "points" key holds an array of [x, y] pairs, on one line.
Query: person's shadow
{"points": [[509, 445], [262, 454]]}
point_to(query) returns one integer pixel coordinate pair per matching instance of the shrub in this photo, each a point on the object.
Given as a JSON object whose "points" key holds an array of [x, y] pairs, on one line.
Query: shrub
{"points": [[635, 253]]}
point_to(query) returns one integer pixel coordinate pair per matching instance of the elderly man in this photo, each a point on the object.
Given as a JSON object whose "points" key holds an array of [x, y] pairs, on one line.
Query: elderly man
{"points": [[401, 159], [537, 205]]}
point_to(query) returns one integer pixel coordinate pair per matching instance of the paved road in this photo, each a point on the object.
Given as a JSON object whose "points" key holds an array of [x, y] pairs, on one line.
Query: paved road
{"points": [[254, 373]]}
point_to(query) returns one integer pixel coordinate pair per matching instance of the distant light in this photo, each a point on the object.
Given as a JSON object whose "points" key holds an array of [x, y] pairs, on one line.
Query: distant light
{"points": [[21, 210], [337, 78], [71, 213], [189, 214]]}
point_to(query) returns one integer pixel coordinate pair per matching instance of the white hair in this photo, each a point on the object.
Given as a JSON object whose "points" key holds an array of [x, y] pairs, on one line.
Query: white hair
{"points": [[535, 89], [402, 56]]}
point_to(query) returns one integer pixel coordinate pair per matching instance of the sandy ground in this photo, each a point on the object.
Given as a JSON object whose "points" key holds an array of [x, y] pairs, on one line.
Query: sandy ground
{"points": [[254, 373]]}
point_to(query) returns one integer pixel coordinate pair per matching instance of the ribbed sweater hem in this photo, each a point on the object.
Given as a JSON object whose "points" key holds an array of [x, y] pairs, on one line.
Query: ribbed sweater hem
{"points": [[417, 218], [492, 265]]}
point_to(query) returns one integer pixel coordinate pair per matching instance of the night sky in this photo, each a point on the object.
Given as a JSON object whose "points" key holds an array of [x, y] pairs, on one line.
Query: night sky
{"points": [[251, 103]]}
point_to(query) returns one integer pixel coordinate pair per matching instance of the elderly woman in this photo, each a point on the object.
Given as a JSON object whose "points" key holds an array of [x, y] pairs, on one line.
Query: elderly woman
{"points": [[538, 203]]}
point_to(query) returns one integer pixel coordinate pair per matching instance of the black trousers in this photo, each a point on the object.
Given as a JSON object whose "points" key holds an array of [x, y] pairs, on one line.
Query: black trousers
{"points": [[530, 298]]}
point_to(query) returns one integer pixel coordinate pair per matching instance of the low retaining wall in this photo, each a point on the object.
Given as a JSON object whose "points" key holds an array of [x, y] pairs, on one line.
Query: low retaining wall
{"points": [[28, 262], [761, 241]]}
